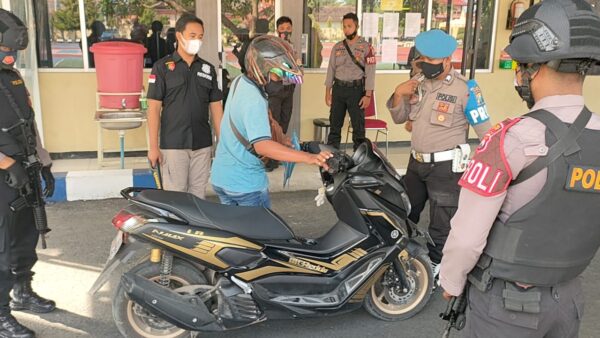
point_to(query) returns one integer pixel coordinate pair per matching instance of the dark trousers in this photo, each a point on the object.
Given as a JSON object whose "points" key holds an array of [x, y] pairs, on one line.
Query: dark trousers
{"points": [[560, 313], [346, 99], [18, 240], [437, 183], [281, 106]]}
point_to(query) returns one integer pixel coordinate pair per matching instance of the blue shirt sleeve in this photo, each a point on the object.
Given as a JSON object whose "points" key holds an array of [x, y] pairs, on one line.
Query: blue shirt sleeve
{"points": [[475, 109], [256, 120]]}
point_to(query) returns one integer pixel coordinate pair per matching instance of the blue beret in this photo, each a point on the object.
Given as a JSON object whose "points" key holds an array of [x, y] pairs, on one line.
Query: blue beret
{"points": [[435, 44]]}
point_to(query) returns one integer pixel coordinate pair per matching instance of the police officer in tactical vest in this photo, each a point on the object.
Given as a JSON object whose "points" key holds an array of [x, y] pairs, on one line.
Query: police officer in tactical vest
{"points": [[18, 233], [527, 223], [440, 104]]}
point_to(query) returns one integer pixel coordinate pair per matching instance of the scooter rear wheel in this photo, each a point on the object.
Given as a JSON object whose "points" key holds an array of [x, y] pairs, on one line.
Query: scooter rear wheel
{"points": [[388, 302], [134, 321]]}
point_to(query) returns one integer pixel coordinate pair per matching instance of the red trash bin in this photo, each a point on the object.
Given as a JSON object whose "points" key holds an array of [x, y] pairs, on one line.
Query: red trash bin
{"points": [[119, 69]]}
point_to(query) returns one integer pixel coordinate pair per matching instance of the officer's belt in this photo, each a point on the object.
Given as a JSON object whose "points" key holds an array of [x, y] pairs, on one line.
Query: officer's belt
{"points": [[440, 156], [350, 84]]}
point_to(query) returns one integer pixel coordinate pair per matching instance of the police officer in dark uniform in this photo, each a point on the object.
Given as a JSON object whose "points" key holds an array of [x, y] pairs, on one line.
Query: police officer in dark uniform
{"points": [[182, 89], [18, 234], [527, 223], [350, 82]]}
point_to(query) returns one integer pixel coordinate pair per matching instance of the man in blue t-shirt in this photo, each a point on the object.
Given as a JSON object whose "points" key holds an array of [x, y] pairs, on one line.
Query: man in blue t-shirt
{"points": [[238, 175]]}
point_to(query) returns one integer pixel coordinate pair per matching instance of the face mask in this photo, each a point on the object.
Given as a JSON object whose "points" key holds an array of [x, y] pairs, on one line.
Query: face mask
{"points": [[430, 70], [524, 91], [274, 87], [192, 47], [285, 35], [351, 36], [8, 58]]}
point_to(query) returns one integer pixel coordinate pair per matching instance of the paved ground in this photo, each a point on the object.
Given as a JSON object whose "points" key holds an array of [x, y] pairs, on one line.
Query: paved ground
{"points": [[79, 245]]}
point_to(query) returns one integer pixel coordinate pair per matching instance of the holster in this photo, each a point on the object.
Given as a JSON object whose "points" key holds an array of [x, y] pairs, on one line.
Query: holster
{"points": [[480, 277]]}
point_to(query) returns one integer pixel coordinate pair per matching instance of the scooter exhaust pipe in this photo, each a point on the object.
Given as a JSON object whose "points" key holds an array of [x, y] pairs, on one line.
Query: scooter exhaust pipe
{"points": [[185, 311]]}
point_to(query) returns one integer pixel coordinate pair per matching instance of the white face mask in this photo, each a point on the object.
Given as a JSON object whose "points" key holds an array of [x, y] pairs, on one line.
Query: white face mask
{"points": [[192, 47]]}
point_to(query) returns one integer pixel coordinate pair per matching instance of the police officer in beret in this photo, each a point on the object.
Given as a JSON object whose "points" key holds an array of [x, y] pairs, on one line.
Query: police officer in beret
{"points": [[350, 82], [527, 223], [441, 105]]}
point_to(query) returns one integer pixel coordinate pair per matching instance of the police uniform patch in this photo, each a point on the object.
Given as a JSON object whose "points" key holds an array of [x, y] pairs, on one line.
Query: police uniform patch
{"points": [[17, 82], [204, 76], [170, 65], [475, 109], [446, 97], [488, 172], [152, 78], [583, 178], [441, 118], [443, 107], [370, 57], [206, 68]]}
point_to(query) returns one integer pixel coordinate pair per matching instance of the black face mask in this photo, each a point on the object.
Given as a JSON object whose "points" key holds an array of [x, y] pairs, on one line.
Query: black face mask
{"points": [[430, 70], [274, 87], [285, 35], [351, 36]]}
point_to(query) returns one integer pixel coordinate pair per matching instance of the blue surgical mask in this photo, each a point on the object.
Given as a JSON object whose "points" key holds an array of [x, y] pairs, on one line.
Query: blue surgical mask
{"points": [[8, 58]]}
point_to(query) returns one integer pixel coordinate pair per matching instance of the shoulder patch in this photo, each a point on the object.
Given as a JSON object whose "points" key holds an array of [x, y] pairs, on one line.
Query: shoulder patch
{"points": [[488, 173], [170, 65], [152, 79], [370, 58], [475, 108]]}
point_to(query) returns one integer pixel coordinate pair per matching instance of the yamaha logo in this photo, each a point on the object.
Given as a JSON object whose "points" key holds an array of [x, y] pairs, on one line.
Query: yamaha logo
{"points": [[395, 234]]}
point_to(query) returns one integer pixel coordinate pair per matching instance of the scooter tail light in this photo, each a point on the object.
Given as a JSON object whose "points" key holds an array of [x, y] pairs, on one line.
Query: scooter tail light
{"points": [[126, 221]]}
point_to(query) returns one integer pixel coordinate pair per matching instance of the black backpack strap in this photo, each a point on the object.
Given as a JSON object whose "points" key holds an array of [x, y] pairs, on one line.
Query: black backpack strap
{"points": [[566, 140], [352, 56]]}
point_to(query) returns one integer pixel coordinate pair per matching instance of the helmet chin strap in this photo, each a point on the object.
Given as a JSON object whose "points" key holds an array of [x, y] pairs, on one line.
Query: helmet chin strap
{"points": [[525, 88]]}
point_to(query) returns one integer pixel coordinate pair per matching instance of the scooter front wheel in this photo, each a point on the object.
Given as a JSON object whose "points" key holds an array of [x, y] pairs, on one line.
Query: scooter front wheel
{"points": [[132, 320], [389, 300]]}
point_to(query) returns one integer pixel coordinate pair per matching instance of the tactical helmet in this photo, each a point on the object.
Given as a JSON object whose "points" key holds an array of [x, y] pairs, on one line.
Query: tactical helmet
{"points": [[565, 34], [13, 33], [270, 54]]}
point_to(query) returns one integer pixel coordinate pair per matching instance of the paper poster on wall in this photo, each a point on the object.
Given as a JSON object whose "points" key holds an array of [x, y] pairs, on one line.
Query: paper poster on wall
{"points": [[392, 5], [370, 25], [412, 25], [390, 25], [389, 51]]}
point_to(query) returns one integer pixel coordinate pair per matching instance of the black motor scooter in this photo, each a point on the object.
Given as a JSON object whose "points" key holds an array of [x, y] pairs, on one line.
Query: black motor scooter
{"points": [[215, 267]]}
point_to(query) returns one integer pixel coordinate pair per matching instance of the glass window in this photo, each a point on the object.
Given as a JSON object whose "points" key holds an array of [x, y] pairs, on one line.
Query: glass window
{"points": [[458, 21], [58, 34], [241, 21], [322, 29], [59, 30], [391, 27]]}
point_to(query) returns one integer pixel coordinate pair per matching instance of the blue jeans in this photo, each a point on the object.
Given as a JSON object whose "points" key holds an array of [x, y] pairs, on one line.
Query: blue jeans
{"points": [[250, 199]]}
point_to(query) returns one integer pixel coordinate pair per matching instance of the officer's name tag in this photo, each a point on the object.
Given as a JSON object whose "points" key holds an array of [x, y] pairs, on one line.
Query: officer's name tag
{"points": [[583, 178], [475, 109], [205, 76]]}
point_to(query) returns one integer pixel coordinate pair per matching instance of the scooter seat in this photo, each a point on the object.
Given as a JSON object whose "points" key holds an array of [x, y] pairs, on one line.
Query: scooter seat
{"points": [[250, 222]]}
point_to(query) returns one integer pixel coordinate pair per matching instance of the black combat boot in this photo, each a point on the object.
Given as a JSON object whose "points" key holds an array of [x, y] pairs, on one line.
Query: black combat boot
{"points": [[24, 298], [10, 328]]}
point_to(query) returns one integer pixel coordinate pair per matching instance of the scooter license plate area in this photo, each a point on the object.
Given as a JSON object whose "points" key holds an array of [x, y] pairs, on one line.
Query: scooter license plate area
{"points": [[115, 245]]}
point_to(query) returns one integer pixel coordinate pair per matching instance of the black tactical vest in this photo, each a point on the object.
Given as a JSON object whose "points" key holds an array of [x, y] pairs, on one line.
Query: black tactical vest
{"points": [[14, 100], [553, 238]]}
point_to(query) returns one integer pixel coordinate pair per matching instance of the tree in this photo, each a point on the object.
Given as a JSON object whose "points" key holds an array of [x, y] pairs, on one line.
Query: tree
{"points": [[66, 19]]}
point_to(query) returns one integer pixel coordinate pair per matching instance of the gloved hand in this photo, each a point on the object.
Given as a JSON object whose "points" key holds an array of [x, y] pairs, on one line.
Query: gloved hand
{"points": [[320, 198], [16, 176], [49, 180]]}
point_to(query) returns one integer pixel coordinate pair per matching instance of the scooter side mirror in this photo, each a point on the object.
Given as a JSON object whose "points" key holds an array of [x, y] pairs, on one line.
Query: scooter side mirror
{"points": [[364, 182]]}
